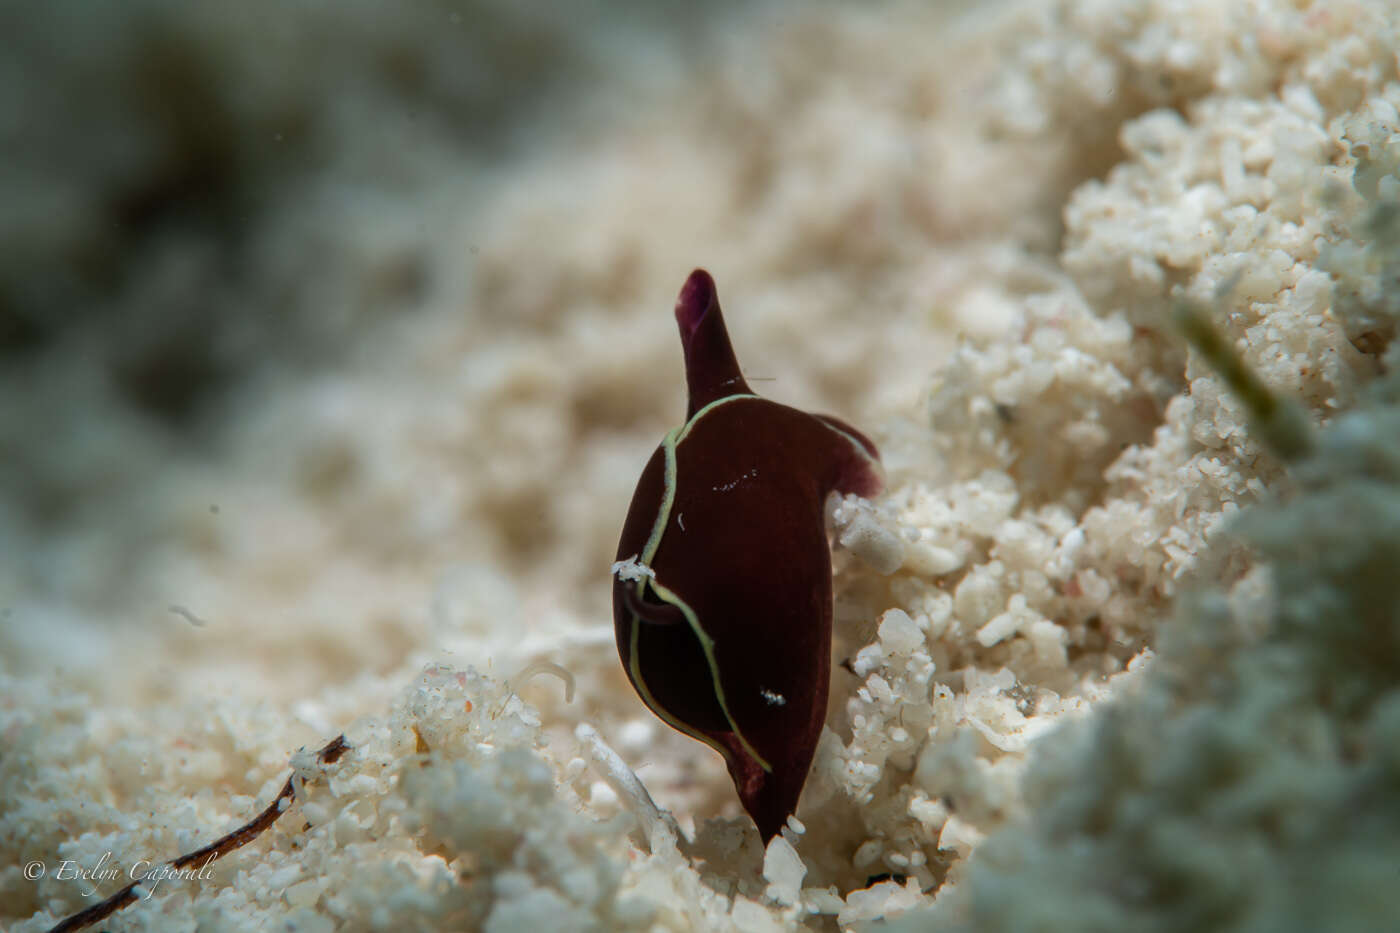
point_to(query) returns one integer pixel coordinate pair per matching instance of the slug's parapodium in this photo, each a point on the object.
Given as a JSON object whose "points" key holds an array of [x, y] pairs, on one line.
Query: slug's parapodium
{"points": [[722, 591]]}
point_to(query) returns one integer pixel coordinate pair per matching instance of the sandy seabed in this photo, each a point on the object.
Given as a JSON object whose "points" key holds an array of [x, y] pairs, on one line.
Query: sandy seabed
{"points": [[335, 342]]}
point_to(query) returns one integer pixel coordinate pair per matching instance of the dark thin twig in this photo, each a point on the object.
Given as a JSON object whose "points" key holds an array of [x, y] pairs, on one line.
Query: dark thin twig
{"points": [[215, 850]]}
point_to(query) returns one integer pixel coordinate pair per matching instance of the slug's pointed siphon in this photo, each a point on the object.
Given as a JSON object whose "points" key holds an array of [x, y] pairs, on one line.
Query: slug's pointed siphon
{"points": [[722, 597]]}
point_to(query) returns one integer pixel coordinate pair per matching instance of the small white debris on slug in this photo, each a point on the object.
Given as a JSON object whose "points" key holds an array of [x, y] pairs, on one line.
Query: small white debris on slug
{"points": [[772, 698], [631, 570], [725, 487]]}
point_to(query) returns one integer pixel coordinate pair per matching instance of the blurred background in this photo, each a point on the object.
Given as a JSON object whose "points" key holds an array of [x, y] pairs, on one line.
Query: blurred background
{"points": [[329, 332]]}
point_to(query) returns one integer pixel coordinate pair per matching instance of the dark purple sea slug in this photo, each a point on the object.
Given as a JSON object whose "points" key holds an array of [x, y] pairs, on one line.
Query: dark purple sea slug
{"points": [[722, 599]]}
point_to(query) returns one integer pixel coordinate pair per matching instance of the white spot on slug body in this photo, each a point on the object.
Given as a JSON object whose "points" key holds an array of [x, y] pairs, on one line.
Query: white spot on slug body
{"points": [[772, 698], [631, 570], [725, 487]]}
